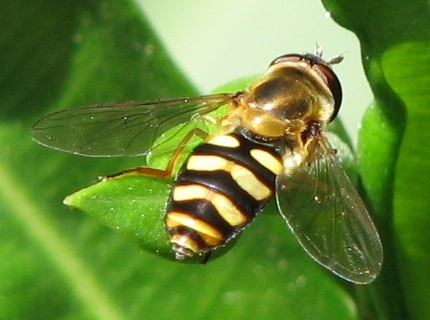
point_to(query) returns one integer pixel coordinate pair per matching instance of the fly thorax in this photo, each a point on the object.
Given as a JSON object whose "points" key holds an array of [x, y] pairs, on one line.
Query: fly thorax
{"points": [[264, 124]]}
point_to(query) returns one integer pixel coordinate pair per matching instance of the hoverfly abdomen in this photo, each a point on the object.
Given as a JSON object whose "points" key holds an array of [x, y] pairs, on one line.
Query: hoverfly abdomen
{"points": [[222, 186]]}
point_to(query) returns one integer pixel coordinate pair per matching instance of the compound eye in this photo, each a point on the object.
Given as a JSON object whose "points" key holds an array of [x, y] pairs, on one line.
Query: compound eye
{"points": [[332, 81], [291, 57]]}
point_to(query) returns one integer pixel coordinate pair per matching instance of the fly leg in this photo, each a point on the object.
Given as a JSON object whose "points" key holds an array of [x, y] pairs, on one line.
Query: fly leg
{"points": [[168, 172]]}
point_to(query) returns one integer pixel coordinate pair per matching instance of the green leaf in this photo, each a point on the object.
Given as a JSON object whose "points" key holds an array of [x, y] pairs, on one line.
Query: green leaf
{"points": [[132, 205], [407, 69], [393, 157]]}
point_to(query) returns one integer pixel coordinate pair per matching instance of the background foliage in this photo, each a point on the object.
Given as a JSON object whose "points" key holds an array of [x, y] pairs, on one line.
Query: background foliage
{"points": [[60, 263]]}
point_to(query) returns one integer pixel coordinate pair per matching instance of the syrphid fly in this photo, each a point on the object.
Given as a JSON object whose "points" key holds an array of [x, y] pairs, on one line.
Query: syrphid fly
{"points": [[270, 142]]}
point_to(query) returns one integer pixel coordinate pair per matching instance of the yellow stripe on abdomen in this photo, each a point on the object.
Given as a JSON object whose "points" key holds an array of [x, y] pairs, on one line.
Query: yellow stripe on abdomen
{"points": [[223, 205], [212, 235], [250, 183], [267, 160], [244, 177]]}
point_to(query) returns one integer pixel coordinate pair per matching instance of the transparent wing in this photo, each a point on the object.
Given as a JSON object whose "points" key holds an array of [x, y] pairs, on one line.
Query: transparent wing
{"points": [[120, 129], [328, 218]]}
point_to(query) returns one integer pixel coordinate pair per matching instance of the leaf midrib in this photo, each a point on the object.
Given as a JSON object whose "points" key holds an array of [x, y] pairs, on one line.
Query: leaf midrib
{"points": [[33, 219]]}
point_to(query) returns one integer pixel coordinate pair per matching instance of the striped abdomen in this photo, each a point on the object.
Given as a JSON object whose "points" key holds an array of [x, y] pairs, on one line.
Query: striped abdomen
{"points": [[222, 186]]}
